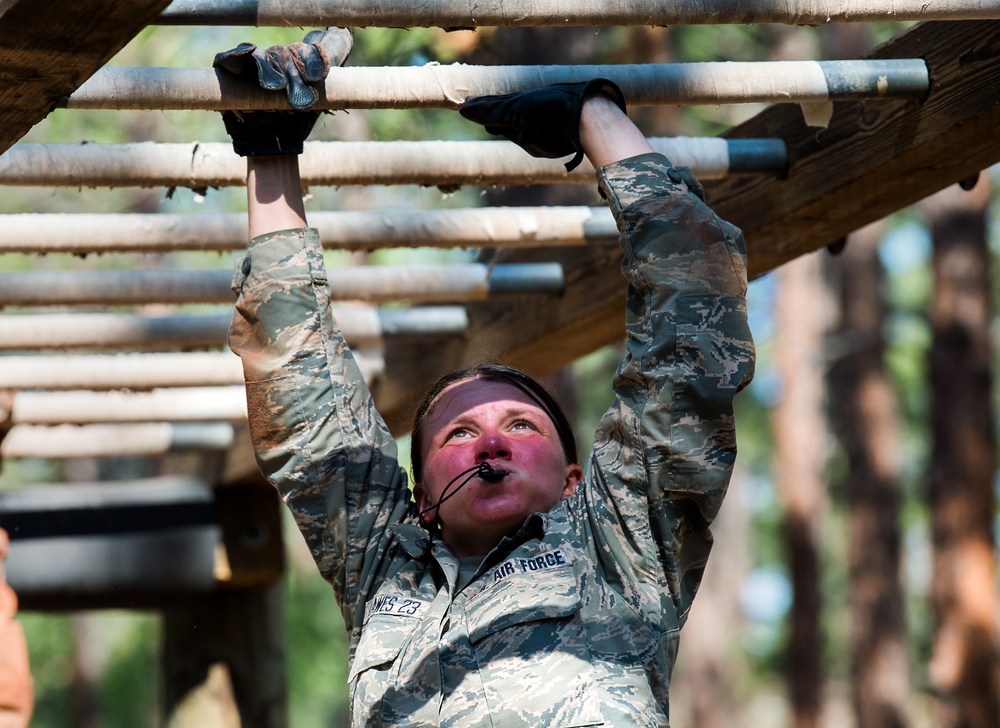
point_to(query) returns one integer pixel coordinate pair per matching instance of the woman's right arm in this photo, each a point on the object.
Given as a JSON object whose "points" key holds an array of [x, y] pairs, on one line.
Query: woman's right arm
{"points": [[316, 434]]}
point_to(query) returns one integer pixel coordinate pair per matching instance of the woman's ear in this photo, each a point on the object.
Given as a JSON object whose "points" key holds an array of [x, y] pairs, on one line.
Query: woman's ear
{"points": [[571, 478], [423, 502]]}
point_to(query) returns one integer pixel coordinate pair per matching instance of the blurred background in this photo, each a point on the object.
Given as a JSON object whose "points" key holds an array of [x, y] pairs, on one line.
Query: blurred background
{"points": [[858, 493]]}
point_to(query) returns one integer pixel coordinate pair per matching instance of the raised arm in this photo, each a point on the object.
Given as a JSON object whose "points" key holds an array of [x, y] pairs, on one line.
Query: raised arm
{"points": [[664, 452], [316, 434]]}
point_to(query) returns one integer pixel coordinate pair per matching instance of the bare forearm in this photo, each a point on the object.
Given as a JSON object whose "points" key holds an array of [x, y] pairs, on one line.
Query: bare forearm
{"points": [[607, 134], [274, 194]]}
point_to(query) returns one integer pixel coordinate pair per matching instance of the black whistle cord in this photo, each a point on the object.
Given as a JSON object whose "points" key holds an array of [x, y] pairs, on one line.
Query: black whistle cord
{"points": [[483, 468]]}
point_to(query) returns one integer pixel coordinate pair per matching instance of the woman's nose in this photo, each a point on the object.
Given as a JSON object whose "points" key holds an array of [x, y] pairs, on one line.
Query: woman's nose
{"points": [[493, 445]]}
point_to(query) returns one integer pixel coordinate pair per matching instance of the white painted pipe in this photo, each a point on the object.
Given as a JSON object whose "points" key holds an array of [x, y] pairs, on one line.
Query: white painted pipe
{"points": [[196, 404], [453, 15], [448, 86], [140, 372], [504, 227], [134, 439], [432, 163], [419, 283], [360, 325]]}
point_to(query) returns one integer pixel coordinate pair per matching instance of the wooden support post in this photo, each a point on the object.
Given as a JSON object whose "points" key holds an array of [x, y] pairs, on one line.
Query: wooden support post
{"points": [[225, 655], [454, 15], [430, 163], [447, 87]]}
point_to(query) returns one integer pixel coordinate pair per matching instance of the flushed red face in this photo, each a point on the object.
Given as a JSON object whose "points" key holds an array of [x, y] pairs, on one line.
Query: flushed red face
{"points": [[477, 421]]}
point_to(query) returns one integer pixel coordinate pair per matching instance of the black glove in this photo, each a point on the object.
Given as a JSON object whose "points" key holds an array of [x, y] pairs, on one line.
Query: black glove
{"points": [[296, 69], [544, 122]]}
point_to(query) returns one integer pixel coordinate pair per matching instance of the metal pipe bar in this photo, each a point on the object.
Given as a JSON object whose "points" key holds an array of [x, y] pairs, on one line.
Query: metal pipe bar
{"points": [[198, 404], [447, 87], [431, 163], [136, 439], [461, 282], [507, 227], [139, 372], [360, 325], [521, 13]]}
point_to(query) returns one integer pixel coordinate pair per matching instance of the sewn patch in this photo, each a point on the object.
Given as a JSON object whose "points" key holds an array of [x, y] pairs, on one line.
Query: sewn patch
{"points": [[531, 564], [399, 606]]}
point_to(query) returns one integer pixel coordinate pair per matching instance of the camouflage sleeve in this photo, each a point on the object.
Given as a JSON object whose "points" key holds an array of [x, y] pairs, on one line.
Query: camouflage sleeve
{"points": [[664, 451], [316, 434]]}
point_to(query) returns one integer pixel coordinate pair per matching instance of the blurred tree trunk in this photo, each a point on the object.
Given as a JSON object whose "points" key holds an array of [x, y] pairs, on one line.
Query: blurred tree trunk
{"points": [[963, 671], [799, 440], [865, 416], [705, 689]]}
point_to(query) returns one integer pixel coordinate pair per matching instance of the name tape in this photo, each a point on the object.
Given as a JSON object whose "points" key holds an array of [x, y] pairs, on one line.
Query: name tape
{"points": [[396, 605]]}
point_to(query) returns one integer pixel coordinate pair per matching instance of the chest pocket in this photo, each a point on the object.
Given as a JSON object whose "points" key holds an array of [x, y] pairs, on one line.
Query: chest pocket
{"points": [[521, 599], [530, 647]]}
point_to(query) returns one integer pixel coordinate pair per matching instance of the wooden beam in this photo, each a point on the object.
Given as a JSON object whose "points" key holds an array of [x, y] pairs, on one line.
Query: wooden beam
{"points": [[47, 49], [141, 543], [873, 159]]}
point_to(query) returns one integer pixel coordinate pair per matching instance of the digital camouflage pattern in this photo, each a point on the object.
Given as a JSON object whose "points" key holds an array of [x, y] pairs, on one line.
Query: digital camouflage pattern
{"points": [[574, 620]]}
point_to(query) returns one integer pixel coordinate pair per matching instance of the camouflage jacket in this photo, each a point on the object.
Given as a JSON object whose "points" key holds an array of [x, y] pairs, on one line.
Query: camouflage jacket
{"points": [[572, 621]]}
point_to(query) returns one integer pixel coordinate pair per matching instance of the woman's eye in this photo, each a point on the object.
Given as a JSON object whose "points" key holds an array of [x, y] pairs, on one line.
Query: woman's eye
{"points": [[457, 433], [522, 425]]}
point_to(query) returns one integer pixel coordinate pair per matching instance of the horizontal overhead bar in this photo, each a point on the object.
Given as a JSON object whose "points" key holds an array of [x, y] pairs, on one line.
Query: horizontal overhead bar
{"points": [[459, 282], [191, 404], [146, 536], [115, 571], [454, 15], [431, 163], [447, 86], [139, 371], [78, 509], [506, 227], [360, 325], [135, 439]]}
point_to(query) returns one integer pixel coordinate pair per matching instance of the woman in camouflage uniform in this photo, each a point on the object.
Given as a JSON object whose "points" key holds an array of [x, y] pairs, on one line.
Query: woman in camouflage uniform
{"points": [[530, 591]]}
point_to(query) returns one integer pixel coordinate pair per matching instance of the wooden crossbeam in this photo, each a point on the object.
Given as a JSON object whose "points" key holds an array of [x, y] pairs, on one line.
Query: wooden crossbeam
{"points": [[447, 87], [47, 49], [138, 544], [431, 163], [520, 13], [874, 158]]}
